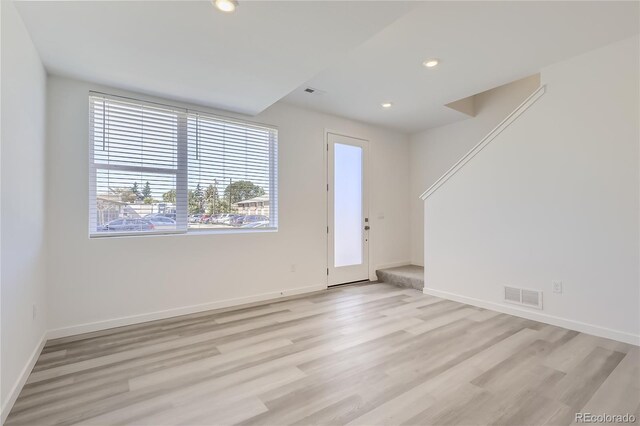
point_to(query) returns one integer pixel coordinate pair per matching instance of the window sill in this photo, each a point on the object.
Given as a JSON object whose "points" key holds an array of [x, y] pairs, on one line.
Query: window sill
{"points": [[180, 233]]}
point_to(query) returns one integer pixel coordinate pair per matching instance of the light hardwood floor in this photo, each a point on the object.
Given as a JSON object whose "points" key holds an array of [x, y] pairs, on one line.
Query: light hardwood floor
{"points": [[359, 355]]}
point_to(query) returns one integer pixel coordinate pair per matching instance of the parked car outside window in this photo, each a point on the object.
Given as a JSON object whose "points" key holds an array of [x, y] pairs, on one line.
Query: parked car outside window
{"points": [[129, 224], [243, 220], [161, 222], [261, 224], [237, 220], [195, 218]]}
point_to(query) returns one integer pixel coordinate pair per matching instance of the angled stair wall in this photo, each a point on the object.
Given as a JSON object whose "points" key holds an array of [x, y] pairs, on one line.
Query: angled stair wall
{"points": [[552, 194]]}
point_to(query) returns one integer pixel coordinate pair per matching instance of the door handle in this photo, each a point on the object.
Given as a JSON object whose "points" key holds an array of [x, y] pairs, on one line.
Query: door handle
{"points": [[366, 228]]}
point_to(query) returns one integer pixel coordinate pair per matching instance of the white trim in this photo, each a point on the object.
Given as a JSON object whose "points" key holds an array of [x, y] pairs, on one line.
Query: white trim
{"points": [[340, 133], [181, 172], [325, 153], [582, 327], [22, 379], [192, 231], [346, 274], [174, 312], [136, 319], [485, 141]]}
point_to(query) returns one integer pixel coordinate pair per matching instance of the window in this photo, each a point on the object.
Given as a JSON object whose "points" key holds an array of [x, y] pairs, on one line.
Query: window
{"points": [[159, 169]]}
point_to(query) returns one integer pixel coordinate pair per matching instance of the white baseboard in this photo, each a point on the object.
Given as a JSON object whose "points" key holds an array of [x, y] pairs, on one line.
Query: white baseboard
{"points": [[135, 319], [582, 327], [22, 379], [174, 312]]}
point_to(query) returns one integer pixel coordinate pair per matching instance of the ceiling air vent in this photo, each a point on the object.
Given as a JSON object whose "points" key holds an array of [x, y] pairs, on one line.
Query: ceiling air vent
{"points": [[523, 297], [314, 91]]}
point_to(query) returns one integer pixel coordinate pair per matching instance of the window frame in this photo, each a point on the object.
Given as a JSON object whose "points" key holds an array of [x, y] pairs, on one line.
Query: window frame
{"points": [[181, 172]]}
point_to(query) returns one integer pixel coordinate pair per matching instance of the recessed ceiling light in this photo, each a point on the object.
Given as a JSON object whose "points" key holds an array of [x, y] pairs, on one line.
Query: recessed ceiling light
{"points": [[386, 105], [430, 63], [226, 5]]}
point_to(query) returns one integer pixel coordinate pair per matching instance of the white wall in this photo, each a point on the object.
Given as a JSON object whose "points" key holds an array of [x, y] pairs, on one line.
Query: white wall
{"points": [[554, 197], [96, 280], [435, 150], [22, 209]]}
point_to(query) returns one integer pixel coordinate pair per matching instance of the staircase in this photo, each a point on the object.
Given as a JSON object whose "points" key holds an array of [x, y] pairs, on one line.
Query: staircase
{"points": [[410, 276], [485, 141]]}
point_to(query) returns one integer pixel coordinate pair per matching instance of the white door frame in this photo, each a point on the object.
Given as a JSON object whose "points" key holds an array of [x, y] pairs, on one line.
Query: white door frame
{"points": [[365, 203]]}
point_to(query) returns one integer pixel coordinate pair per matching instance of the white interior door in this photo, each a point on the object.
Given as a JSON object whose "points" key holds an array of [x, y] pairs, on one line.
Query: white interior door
{"points": [[348, 213]]}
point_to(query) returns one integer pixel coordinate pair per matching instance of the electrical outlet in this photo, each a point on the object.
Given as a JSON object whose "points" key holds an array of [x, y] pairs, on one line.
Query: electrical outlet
{"points": [[557, 287]]}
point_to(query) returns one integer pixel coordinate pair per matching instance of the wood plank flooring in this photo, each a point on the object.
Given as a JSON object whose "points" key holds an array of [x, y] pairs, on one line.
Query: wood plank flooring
{"points": [[359, 355]]}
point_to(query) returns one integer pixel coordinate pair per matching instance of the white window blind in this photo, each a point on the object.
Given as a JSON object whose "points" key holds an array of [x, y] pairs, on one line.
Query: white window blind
{"points": [[159, 169], [231, 172]]}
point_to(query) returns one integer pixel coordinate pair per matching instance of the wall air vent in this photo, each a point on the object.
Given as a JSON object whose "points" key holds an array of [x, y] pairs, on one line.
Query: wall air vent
{"points": [[512, 294], [523, 297]]}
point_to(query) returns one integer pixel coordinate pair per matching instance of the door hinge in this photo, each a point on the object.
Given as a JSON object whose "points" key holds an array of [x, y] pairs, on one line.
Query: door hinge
{"points": [[327, 271], [327, 229], [327, 187]]}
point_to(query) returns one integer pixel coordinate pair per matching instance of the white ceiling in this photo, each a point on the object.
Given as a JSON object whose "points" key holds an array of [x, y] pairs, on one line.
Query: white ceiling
{"points": [[359, 53], [481, 45], [188, 50]]}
